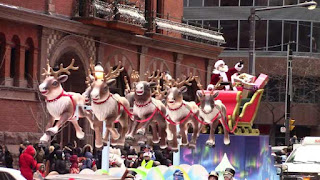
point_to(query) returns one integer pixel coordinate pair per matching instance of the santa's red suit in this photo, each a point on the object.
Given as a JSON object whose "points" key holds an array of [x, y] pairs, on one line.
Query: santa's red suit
{"points": [[222, 70]]}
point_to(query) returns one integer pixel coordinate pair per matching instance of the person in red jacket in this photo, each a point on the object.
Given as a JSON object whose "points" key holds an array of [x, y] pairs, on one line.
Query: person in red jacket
{"points": [[27, 162]]}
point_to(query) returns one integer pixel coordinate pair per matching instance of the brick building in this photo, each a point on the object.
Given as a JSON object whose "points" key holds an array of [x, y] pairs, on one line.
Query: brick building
{"points": [[144, 35], [274, 29]]}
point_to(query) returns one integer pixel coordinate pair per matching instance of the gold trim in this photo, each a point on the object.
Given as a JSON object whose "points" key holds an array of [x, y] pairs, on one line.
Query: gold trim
{"points": [[260, 91], [237, 107]]}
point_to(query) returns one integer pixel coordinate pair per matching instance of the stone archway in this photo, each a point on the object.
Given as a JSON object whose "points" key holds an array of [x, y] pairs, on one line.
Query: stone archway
{"points": [[113, 61], [68, 48], [158, 64]]}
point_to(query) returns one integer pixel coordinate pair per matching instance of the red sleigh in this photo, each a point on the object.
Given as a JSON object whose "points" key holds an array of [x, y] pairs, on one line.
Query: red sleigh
{"points": [[241, 116]]}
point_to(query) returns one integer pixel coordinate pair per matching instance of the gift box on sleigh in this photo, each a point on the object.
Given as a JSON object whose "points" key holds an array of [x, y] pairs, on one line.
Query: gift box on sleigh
{"points": [[250, 83]]}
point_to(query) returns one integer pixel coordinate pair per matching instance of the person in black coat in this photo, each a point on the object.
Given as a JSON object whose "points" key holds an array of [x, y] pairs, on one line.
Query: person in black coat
{"points": [[60, 164], [8, 158]]}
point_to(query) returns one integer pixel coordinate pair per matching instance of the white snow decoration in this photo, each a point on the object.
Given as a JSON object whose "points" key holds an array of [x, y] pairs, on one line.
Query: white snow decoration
{"points": [[189, 30], [131, 12], [225, 163]]}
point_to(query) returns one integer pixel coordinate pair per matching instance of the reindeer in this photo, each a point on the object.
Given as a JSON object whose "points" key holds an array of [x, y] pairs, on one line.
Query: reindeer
{"points": [[211, 111], [109, 107], [60, 104], [144, 107], [181, 112]]}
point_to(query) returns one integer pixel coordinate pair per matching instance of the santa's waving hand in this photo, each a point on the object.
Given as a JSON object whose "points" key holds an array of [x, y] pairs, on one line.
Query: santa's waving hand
{"points": [[222, 70]]}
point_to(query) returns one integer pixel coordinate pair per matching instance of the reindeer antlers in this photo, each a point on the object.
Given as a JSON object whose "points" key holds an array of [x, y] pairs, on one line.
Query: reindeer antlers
{"points": [[114, 73], [187, 81], [55, 74], [91, 71], [156, 76]]}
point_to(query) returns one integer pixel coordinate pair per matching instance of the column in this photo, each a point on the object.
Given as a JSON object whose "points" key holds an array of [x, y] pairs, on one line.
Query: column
{"points": [[21, 81], [142, 62], [7, 80], [209, 71], [43, 55]]}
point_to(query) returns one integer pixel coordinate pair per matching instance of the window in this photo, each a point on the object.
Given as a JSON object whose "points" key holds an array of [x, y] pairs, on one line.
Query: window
{"points": [[275, 89], [261, 3], [193, 3], [246, 2], [244, 34], [289, 2], [229, 3], [275, 35], [261, 35], [13, 62], [6, 176], [185, 3], [230, 33], [316, 37], [211, 2], [304, 37], [289, 34], [275, 2], [211, 24]]}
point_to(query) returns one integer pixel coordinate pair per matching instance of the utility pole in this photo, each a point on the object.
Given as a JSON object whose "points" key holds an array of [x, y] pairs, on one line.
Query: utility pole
{"points": [[288, 93], [252, 41]]}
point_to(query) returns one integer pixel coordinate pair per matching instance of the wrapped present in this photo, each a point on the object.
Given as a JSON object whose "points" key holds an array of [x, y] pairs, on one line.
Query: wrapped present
{"points": [[261, 81], [248, 89], [244, 78]]}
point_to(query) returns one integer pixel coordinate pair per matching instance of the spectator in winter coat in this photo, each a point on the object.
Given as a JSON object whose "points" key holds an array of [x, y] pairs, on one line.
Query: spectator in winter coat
{"points": [[74, 169], [88, 162], [8, 158], [27, 163], [40, 173], [60, 164], [2, 157]]}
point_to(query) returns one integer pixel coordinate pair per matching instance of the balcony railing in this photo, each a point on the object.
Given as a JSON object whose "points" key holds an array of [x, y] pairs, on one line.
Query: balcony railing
{"points": [[129, 18], [110, 12]]}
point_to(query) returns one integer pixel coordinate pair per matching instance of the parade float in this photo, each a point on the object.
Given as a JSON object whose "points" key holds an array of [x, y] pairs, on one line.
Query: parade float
{"points": [[157, 102]]}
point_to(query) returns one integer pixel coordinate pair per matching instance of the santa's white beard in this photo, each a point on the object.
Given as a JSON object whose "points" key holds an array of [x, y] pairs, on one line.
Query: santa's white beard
{"points": [[223, 69]]}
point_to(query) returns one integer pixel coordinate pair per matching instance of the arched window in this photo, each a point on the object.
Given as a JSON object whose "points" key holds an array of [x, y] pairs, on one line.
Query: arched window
{"points": [[14, 60], [2, 53], [29, 62], [120, 85]]}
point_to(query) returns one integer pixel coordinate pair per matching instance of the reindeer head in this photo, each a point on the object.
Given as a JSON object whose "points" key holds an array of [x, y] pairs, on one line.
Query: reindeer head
{"points": [[176, 89], [51, 86], [206, 98], [100, 83], [143, 89]]}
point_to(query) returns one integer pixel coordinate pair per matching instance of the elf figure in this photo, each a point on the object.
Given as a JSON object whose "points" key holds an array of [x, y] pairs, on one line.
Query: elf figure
{"points": [[222, 71]]}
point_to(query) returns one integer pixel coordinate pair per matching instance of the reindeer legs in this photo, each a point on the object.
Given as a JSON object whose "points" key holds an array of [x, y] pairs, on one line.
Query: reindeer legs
{"points": [[63, 119], [79, 132], [196, 130], [46, 137], [211, 141], [173, 130], [226, 138]]}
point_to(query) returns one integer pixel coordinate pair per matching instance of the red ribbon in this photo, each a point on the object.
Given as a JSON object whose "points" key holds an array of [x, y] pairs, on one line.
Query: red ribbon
{"points": [[204, 123], [67, 95], [180, 122]]}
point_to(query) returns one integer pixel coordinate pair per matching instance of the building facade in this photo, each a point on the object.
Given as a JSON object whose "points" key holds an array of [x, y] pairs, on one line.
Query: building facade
{"points": [[143, 35], [274, 29]]}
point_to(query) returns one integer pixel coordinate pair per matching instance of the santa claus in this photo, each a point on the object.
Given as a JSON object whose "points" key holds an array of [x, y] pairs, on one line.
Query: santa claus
{"points": [[222, 71]]}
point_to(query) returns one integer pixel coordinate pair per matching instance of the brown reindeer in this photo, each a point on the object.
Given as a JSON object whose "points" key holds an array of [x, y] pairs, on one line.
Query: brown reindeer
{"points": [[109, 107], [60, 104], [181, 113], [144, 107], [212, 112]]}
